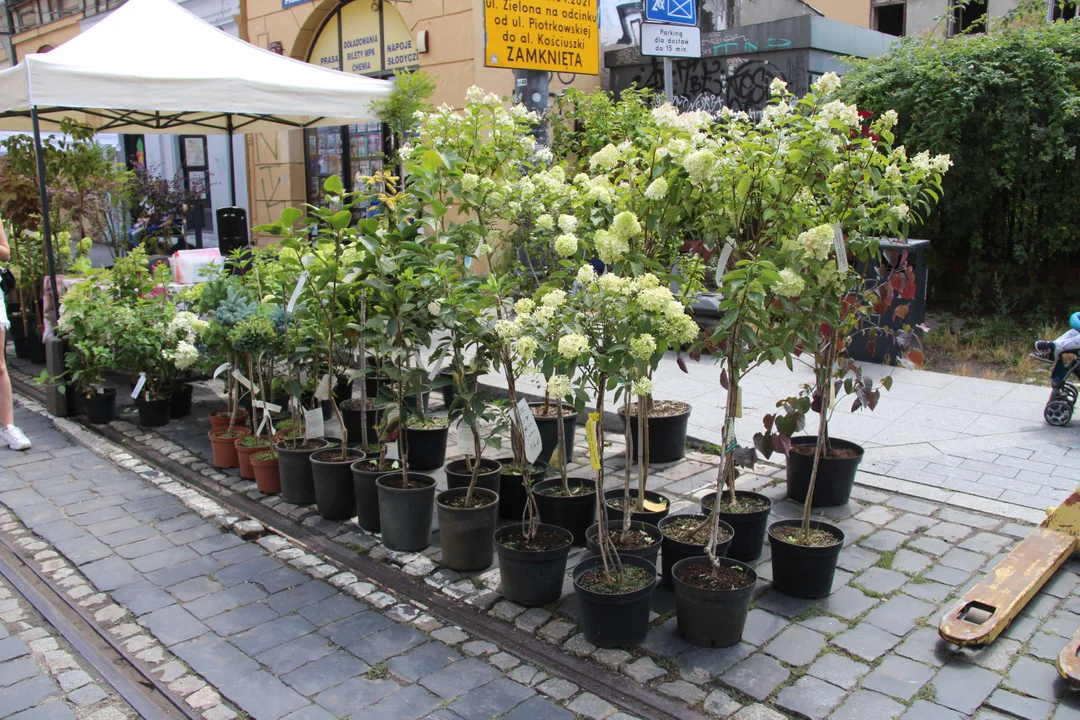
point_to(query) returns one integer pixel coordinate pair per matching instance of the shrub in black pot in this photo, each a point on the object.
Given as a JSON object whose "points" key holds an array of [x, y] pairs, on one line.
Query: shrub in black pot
{"points": [[153, 412], [354, 417], [426, 439], [100, 406], [512, 495], [531, 569], [686, 536], [294, 464], [712, 602], [836, 470], [547, 422], [406, 501], [667, 428], [639, 540], [332, 477], [615, 603], [489, 477], [467, 520], [572, 506], [748, 516], [365, 472], [804, 558]]}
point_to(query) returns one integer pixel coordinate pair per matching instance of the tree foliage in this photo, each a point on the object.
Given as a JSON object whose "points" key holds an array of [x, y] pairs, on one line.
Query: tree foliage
{"points": [[1004, 106]]}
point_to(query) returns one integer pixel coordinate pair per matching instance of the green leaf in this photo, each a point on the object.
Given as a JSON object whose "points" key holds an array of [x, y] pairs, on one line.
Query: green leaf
{"points": [[333, 185], [341, 219]]}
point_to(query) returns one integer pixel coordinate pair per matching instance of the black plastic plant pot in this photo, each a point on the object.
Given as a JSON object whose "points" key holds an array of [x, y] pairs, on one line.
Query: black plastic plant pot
{"points": [[573, 512], [512, 495], [618, 620], [549, 430], [532, 578], [650, 553], [181, 400], [798, 570], [667, 436], [405, 512], [100, 407], [153, 413], [672, 551], [648, 516], [836, 476], [749, 527], [427, 447], [712, 618], [458, 475], [367, 495], [354, 419], [297, 485], [467, 534], [333, 480], [36, 347]]}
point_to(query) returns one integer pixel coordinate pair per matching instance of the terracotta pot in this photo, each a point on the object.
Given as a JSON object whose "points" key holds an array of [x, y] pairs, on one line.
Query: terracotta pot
{"points": [[243, 455], [223, 443], [267, 476], [220, 418]]}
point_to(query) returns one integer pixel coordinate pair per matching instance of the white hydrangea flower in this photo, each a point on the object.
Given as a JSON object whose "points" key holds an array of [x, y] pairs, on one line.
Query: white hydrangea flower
{"points": [[605, 159], [654, 299], [554, 298], [700, 166], [568, 223], [646, 281], [610, 282], [545, 222], [544, 155], [626, 225], [474, 94], [827, 83], [892, 172], [778, 86], [573, 345], [817, 241], [586, 274], [837, 110], [526, 347], [921, 161], [483, 249], [566, 245], [507, 329], [185, 355], [643, 346], [790, 284], [524, 307], [901, 211], [558, 386], [941, 163], [642, 387], [469, 182], [657, 190], [434, 307], [610, 247], [889, 119], [543, 314]]}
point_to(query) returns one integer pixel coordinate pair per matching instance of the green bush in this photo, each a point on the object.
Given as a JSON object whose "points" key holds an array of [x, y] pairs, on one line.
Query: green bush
{"points": [[1004, 106]]}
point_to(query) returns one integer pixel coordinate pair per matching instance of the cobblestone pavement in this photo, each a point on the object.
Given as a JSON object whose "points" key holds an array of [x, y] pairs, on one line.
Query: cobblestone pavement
{"points": [[41, 675], [869, 650]]}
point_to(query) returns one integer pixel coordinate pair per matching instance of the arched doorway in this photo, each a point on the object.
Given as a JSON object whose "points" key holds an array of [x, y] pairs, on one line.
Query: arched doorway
{"points": [[363, 38]]}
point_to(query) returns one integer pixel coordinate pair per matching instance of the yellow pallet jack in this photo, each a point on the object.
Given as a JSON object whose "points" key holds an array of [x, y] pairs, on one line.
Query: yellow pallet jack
{"points": [[986, 610]]}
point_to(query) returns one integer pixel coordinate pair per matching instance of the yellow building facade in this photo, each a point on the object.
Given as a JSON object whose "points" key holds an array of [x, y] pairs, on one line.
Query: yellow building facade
{"points": [[368, 37]]}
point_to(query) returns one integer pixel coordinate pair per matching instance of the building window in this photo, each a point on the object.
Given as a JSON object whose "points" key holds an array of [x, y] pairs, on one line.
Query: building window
{"points": [[889, 19], [1060, 10], [969, 17]]}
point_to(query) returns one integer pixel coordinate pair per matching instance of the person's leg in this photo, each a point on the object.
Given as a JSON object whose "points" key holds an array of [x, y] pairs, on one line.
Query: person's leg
{"points": [[7, 413]]}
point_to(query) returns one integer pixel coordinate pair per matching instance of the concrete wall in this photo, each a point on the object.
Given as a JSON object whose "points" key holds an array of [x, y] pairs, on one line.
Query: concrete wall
{"points": [[751, 12]]}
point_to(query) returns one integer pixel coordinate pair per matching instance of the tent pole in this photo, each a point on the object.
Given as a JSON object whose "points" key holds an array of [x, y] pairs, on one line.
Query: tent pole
{"points": [[232, 163], [39, 155]]}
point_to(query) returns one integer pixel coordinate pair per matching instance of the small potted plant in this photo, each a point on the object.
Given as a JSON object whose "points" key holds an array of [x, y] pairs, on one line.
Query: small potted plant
{"points": [[88, 324], [267, 476]]}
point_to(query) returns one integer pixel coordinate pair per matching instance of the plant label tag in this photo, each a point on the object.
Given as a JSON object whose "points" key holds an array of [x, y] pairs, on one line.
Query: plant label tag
{"points": [[466, 439], [590, 436], [266, 416], [832, 395], [555, 460], [271, 407], [350, 277], [437, 367], [529, 431], [138, 386], [841, 248], [313, 423], [738, 402], [729, 437], [221, 368], [296, 291], [244, 381], [323, 391], [725, 255]]}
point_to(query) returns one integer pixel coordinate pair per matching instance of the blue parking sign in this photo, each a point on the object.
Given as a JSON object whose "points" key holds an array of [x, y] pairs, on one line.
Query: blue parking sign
{"points": [[677, 12]]}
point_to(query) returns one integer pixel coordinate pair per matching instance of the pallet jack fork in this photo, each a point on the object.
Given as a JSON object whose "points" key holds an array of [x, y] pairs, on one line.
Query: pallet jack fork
{"points": [[986, 610]]}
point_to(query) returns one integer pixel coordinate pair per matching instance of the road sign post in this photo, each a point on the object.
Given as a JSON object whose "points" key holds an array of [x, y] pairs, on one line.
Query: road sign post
{"points": [[668, 42]]}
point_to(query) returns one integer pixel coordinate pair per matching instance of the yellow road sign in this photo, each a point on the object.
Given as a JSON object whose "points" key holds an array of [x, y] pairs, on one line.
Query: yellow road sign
{"points": [[554, 35]]}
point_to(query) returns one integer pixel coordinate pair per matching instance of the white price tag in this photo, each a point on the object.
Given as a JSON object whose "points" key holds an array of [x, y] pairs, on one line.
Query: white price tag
{"points": [[465, 439], [322, 392], [841, 248], [725, 255], [138, 386], [221, 368], [267, 405], [266, 416], [529, 430], [313, 423], [296, 292], [437, 367], [350, 277]]}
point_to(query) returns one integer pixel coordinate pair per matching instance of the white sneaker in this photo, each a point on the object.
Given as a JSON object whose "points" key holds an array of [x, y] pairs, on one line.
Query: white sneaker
{"points": [[14, 438]]}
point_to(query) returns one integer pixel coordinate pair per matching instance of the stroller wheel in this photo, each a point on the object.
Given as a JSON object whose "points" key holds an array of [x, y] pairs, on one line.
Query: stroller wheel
{"points": [[1070, 392], [1058, 412]]}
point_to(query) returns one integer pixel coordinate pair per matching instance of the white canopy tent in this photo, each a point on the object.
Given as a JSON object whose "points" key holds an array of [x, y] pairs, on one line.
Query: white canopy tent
{"points": [[153, 67]]}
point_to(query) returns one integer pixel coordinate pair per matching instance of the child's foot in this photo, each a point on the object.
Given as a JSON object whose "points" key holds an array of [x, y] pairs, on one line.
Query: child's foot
{"points": [[1044, 350]]}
